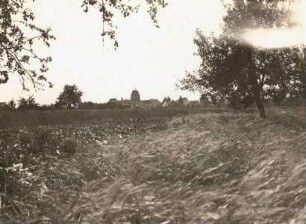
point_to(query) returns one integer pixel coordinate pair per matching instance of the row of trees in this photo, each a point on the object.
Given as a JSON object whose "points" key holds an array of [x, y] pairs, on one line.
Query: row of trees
{"points": [[22, 104], [69, 98]]}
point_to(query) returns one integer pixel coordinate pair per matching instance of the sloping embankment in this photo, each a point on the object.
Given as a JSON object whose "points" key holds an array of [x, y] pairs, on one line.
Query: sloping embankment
{"points": [[205, 169]]}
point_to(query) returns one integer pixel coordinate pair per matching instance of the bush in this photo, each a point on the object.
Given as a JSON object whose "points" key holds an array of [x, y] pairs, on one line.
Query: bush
{"points": [[68, 146]]}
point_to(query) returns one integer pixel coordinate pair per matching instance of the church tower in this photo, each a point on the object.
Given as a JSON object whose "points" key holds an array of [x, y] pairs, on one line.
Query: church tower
{"points": [[135, 96]]}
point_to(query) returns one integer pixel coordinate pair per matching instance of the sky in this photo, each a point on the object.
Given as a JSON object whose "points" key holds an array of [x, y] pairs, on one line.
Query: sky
{"points": [[149, 59]]}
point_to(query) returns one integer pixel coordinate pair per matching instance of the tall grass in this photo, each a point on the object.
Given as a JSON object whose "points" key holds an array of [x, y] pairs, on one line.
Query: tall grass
{"points": [[294, 117], [206, 168]]}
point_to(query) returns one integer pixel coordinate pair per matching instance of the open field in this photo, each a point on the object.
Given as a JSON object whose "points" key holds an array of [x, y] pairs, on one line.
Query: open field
{"points": [[195, 167], [20, 119]]}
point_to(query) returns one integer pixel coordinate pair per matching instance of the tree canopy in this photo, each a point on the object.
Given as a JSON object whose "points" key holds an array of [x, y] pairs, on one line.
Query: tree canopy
{"points": [[236, 70], [110, 8], [20, 36], [69, 97], [27, 104]]}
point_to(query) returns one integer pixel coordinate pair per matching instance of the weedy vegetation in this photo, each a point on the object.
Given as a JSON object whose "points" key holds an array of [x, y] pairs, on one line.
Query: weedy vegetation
{"points": [[164, 167]]}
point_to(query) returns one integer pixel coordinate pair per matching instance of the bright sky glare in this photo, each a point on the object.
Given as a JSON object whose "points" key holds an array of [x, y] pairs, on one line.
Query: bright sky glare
{"points": [[284, 37], [275, 38]]}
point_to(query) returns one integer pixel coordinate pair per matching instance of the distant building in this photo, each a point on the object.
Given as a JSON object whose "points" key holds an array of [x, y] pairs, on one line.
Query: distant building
{"points": [[136, 102], [183, 101], [150, 103], [166, 102], [194, 103], [135, 96], [113, 100], [180, 102]]}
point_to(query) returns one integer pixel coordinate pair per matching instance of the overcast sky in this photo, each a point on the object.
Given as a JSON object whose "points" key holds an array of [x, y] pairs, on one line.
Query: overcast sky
{"points": [[148, 59]]}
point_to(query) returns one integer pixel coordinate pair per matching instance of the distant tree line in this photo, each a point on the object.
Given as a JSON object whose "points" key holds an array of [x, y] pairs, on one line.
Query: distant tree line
{"points": [[71, 98]]}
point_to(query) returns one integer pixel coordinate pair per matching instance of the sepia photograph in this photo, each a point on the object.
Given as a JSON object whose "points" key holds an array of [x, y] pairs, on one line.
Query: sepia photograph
{"points": [[152, 111]]}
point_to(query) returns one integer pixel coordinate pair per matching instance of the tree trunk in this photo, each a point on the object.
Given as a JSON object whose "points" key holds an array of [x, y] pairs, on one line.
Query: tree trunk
{"points": [[260, 106], [256, 89]]}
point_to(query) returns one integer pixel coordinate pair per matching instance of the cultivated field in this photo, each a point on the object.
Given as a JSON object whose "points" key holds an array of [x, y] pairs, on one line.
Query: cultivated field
{"points": [[211, 166]]}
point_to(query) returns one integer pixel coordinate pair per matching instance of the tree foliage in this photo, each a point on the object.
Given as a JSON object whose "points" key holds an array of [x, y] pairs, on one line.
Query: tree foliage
{"points": [[243, 15], [20, 36], [11, 105], [27, 103], [241, 73], [109, 9], [69, 97]]}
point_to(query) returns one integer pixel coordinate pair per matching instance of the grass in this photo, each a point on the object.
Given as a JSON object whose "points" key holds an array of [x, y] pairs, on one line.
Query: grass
{"points": [[21, 119], [18, 119], [294, 117], [196, 168]]}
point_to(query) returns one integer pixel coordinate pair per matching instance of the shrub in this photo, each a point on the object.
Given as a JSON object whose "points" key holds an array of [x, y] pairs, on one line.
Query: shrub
{"points": [[68, 146]]}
